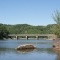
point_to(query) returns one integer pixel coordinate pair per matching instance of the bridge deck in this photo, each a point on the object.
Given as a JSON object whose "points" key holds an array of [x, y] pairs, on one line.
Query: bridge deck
{"points": [[31, 35]]}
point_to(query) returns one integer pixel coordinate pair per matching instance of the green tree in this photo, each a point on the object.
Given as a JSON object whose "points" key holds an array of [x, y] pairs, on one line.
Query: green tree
{"points": [[3, 31], [56, 18], [28, 29]]}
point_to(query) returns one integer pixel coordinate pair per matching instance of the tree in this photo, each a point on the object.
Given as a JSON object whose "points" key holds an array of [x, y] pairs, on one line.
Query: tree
{"points": [[3, 31], [56, 18]]}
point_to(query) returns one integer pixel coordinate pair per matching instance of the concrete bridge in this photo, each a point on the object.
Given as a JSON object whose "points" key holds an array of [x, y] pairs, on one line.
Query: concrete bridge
{"points": [[32, 36]]}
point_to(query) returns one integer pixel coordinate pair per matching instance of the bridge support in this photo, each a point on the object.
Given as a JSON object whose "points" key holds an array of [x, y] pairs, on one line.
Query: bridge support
{"points": [[27, 37], [37, 37], [17, 37]]}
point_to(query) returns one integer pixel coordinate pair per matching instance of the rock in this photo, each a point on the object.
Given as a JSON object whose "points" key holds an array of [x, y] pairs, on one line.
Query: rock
{"points": [[53, 46], [26, 46]]}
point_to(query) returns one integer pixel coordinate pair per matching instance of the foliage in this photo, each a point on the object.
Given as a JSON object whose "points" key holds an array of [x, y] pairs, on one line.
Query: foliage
{"points": [[28, 29], [3, 31], [56, 18]]}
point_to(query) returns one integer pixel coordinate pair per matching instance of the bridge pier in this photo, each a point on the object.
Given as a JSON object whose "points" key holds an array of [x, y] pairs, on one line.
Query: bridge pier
{"points": [[17, 37], [27, 37], [37, 37]]}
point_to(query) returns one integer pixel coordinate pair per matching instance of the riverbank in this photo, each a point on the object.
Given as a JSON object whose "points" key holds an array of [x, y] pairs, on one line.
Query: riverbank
{"points": [[56, 44]]}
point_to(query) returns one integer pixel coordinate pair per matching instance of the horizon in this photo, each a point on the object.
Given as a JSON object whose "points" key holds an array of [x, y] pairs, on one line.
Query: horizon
{"points": [[32, 12], [27, 24]]}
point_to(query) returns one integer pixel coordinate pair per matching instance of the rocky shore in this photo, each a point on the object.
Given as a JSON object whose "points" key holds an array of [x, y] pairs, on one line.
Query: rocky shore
{"points": [[56, 44]]}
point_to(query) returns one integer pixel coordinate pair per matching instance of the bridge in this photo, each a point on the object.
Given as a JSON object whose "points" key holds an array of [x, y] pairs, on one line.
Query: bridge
{"points": [[35, 36]]}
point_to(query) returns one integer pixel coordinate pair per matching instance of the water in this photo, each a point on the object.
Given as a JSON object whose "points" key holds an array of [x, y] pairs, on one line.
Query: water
{"points": [[44, 50]]}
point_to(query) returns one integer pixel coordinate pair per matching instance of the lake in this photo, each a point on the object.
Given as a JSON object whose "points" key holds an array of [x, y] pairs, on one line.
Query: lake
{"points": [[43, 51]]}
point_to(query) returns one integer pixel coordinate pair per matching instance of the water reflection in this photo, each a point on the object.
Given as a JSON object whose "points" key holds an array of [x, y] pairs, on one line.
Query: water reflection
{"points": [[25, 50], [58, 56], [6, 50], [38, 50], [57, 53]]}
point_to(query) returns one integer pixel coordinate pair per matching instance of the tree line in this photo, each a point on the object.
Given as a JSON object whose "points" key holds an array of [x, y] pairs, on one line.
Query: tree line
{"points": [[3, 31]]}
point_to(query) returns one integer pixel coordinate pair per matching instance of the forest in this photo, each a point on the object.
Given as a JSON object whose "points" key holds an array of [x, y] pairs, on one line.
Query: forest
{"points": [[29, 29]]}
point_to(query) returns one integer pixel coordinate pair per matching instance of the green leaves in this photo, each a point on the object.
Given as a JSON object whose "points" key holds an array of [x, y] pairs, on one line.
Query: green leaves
{"points": [[28, 29], [3, 31], [56, 18]]}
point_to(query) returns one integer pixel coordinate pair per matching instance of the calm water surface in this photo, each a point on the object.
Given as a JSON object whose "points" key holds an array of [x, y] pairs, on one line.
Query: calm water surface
{"points": [[44, 50]]}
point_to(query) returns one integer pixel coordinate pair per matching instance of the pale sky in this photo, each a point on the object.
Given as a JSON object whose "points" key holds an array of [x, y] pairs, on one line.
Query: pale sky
{"points": [[33, 12]]}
